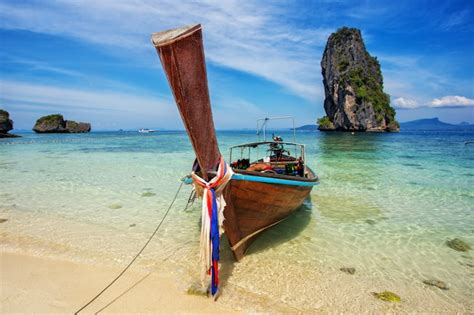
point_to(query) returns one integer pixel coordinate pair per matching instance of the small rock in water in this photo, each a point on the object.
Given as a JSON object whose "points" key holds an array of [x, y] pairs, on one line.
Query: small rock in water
{"points": [[3, 220], [349, 270], [132, 225], [436, 283], [371, 222], [387, 296], [458, 245], [148, 194], [115, 206]]}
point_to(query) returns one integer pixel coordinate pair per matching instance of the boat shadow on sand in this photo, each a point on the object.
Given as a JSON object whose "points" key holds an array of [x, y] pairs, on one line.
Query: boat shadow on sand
{"points": [[273, 237]]}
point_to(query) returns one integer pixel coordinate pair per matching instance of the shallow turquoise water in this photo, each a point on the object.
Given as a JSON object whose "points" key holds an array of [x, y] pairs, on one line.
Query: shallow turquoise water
{"points": [[386, 205]]}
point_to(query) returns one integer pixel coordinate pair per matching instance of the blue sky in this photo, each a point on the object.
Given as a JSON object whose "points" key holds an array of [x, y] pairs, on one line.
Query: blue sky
{"points": [[93, 60]]}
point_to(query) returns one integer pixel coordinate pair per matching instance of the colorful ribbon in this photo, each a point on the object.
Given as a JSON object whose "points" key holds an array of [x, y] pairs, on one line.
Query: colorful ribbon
{"points": [[213, 204]]}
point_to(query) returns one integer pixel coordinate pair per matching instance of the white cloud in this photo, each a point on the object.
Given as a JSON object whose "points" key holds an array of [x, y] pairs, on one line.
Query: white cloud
{"points": [[456, 19], [234, 113], [407, 75], [35, 65], [443, 102], [27, 101], [249, 37], [253, 37], [79, 98], [100, 107], [452, 101], [405, 103]]}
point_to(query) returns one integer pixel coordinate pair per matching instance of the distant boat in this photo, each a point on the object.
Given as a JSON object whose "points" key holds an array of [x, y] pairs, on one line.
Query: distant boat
{"points": [[263, 190], [146, 130]]}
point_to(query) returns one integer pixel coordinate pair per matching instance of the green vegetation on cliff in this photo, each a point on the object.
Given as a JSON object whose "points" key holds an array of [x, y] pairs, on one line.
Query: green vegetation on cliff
{"points": [[4, 113], [50, 119], [325, 123], [370, 90]]}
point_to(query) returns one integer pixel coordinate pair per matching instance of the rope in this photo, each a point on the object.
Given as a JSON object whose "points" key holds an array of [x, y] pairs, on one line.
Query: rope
{"points": [[239, 243], [191, 199], [136, 256]]}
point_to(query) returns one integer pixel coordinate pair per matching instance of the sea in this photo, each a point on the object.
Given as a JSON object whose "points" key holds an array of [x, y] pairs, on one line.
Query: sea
{"points": [[386, 205]]}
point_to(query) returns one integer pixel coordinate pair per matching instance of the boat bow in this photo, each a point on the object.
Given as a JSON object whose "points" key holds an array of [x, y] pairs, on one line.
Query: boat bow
{"points": [[181, 53]]}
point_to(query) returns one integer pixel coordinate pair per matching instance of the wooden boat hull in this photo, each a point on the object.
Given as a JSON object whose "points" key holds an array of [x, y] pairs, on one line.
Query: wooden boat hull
{"points": [[253, 206]]}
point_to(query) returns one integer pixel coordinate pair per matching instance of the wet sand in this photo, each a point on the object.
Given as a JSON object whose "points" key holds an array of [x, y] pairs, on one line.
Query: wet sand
{"points": [[31, 284]]}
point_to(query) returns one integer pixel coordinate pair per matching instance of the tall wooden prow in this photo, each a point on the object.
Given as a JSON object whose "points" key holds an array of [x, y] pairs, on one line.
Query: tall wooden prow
{"points": [[181, 53]]}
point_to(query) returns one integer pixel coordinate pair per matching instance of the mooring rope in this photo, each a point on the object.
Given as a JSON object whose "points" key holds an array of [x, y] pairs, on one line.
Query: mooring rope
{"points": [[138, 254]]}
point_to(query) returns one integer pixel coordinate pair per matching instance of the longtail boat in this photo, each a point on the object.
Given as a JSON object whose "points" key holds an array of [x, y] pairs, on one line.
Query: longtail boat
{"points": [[260, 192]]}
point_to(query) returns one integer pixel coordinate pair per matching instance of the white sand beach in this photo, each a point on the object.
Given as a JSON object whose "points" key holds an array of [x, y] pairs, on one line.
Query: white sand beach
{"points": [[40, 285]]}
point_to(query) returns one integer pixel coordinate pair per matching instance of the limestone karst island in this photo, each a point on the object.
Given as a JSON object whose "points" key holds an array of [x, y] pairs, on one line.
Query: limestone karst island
{"points": [[56, 124], [353, 85], [6, 124]]}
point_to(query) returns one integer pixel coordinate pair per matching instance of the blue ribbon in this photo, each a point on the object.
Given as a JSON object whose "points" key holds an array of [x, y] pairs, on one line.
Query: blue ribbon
{"points": [[215, 242]]}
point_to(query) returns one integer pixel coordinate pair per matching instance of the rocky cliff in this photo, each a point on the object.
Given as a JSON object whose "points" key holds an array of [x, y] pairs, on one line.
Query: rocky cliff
{"points": [[56, 124], [6, 124], [353, 85]]}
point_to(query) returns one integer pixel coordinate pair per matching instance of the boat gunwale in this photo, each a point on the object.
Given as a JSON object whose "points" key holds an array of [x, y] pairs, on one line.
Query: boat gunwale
{"points": [[273, 181], [314, 178], [255, 144]]}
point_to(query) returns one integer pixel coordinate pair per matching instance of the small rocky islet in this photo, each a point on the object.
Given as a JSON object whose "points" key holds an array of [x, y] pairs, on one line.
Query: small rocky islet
{"points": [[6, 124], [353, 87], [57, 124]]}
